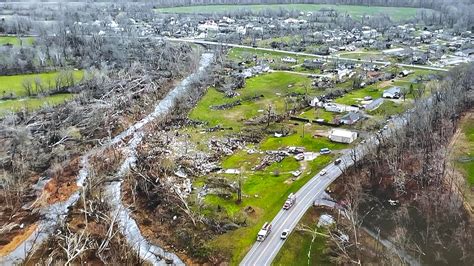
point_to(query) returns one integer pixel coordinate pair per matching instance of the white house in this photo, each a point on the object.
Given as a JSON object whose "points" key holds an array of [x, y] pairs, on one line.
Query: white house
{"points": [[288, 60], [342, 135], [209, 25], [314, 102], [339, 108]]}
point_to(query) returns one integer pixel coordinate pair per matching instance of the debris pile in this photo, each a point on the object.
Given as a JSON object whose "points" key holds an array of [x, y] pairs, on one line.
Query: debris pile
{"points": [[226, 146], [277, 156], [270, 158], [226, 106]]}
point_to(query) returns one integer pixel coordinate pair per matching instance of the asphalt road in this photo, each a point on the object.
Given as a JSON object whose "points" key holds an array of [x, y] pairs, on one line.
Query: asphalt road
{"points": [[263, 253], [303, 54]]}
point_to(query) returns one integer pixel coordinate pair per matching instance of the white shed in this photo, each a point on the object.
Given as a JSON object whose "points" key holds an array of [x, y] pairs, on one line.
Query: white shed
{"points": [[342, 135]]}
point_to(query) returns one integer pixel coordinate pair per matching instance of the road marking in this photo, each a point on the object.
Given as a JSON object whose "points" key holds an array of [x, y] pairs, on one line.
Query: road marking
{"points": [[303, 208], [323, 181], [307, 186], [292, 224]]}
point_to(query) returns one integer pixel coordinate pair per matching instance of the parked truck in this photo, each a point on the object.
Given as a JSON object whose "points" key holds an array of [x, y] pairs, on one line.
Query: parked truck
{"points": [[290, 201], [264, 232]]}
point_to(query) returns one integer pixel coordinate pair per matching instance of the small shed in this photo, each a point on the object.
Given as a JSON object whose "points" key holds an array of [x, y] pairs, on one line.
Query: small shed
{"points": [[374, 104], [288, 60]]}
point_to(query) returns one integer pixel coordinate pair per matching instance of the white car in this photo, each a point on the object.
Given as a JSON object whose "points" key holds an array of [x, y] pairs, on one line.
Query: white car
{"points": [[285, 234], [323, 172], [325, 151]]}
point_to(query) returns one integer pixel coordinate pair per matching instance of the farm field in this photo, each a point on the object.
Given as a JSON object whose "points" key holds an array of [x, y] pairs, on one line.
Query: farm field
{"points": [[271, 88], [15, 41], [397, 13], [33, 103], [13, 85]]}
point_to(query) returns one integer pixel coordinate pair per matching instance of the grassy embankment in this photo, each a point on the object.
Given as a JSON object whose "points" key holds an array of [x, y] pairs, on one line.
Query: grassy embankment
{"points": [[465, 149], [265, 190], [462, 156], [296, 247], [396, 13]]}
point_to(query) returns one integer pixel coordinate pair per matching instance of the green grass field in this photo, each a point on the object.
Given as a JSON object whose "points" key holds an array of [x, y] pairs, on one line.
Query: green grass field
{"points": [[355, 96], [33, 103], [318, 113], [266, 193], [389, 108], [397, 13], [268, 85], [375, 56], [285, 39], [13, 85], [243, 54], [468, 150], [15, 41], [297, 139], [296, 247]]}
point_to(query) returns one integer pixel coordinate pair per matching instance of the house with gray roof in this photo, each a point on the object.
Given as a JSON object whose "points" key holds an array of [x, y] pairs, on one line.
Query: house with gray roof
{"points": [[350, 118], [374, 104], [392, 93]]}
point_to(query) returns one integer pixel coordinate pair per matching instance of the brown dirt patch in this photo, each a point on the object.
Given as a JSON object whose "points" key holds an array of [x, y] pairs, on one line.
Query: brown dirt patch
{"points": [[17, 240], [386, 83], [62, 184]]}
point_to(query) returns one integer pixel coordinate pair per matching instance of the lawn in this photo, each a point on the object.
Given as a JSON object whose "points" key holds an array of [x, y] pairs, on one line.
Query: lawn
{"points": [[375, 56], [318, 113], [239, 54], [297, 139], [389, 108], [397, 13], [467, 165], [355, 96], [296, 247], [15, 41], [285, 39], [265, 193], [13, 85], [268, 85], [33, 103]]}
